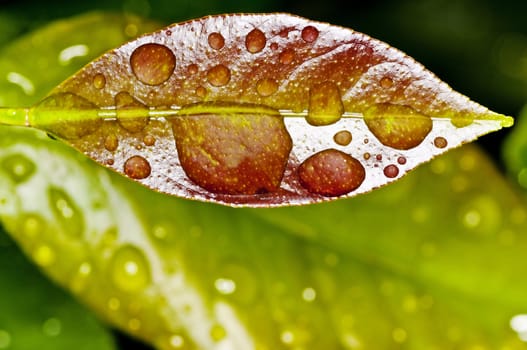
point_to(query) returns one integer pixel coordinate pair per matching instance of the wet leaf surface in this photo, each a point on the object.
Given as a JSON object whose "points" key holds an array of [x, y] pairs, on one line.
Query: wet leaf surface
{"points": [[297, 82]]}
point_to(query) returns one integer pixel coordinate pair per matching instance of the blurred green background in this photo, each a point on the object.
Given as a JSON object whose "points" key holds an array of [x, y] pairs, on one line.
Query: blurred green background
{"points": [[479, 47]]}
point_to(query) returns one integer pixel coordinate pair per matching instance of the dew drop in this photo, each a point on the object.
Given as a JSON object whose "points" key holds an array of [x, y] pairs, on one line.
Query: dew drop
{"points": [[153, 64], [342, 138], [331, 173], [132, 115], [110, 161], [219, 75], [255, 41], [201, 91], [287, 56], [18, 167], [391, 171], [99, 81], [378, 157], [325, 104], [399, 127], [5, 339], [149, 140], [66, 212], [137, 167], [440, 142], [129, 269], [366, 156], [111, 142], [192, 69], [386, 82], [266, 87], [216, 40], [309, 34], [274, 46], [401, 160]]}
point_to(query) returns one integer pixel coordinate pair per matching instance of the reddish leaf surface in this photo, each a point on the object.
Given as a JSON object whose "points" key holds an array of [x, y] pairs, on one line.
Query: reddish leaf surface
{"points": [[264, 109]]}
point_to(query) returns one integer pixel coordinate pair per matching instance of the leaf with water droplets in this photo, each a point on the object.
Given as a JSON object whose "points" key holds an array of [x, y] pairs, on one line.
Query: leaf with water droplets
{"points": [[259, 110]]}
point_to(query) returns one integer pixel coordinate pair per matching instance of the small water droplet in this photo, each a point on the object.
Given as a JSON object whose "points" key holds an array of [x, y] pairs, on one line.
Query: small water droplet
{"points": [[274, 46], [217, 332], [255, 41], [366, 156], [309, 294], [153, 64], [396, 126], [201, 91], [401, 160], [440, 142], [192, 69], [137, 167], [5, 339], [378, 157], [43, 255], [149, 140], [219, 75], [266, 87], [129, 269], [110, 162], [111, 142], [325, 104], [66, 212], [18, 167], [391, 171], [99, 81], [342, 138], [52, 327], [225, 286], [216, 40], [309, 34], [386, 82], [287, 56], [331, 173], [132, 115]]}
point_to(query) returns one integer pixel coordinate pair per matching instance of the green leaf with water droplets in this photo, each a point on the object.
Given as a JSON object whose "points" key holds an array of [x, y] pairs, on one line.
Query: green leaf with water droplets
{"points": [[245, 109]]}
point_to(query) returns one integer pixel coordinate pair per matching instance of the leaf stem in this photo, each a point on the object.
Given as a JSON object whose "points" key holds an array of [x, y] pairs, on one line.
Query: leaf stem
{"points": [[14, 116]]}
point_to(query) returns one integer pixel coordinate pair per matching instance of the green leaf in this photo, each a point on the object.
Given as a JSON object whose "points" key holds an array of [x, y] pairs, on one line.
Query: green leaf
{"points": [[258, 110]]}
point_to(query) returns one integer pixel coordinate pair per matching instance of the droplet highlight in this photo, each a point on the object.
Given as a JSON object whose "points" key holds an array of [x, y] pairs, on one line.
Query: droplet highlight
{"points": [[153, 64], [309, 34], [342, 138], [137, 167], [216, 40], [255, 41], [440, 142], [99, 81], [331, 173], [266, 87], [325, 104], [219, 75], [391, 171], [129, 269]]}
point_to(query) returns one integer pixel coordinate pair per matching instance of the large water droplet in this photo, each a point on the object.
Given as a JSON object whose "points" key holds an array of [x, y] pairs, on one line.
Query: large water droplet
{"points": [[18, 167], [342, 138], [137, 167], [132, 115], [66, 115], [129, 269], [255, 41], [325, 104], [309, 34], [153, 64], [66, 212], [219, 75], [266, 87], [397, 126], [216, 40], [99, 81], [331, 173]]}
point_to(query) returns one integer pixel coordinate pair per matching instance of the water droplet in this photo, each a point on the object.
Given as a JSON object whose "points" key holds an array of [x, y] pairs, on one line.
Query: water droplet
{"points": [[378, 157], [391, 171], [325, 104], [129, 269], [217, 332], [266, 87], [99, 81], [149, 140], [255, 41], [230, 152], [153, 64], [225, 286], [397, 126], [440, 142], [219, 75], [43, 255], [110, 162], [137, 167], [52, 327], [111, 142], [342, 138], [53, 114], [192, 69], [18, 167], [309, 34], [401, 160], [399, 335], [274, 46], [309, 294], [132, 115], [66, 212], [216, 40], [366, 156], [287, 56], [331, 173], [5, 339], [386, 82], [201, 91]]}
